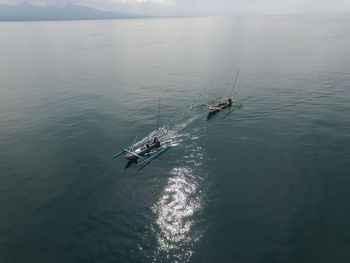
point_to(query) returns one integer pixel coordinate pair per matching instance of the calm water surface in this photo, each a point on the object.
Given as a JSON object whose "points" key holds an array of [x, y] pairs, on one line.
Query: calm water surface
{"points": [[269, 183]]}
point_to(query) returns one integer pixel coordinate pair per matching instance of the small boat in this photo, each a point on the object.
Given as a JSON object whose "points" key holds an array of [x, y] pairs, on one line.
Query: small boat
{"points": [[132, 154], [222, 105]]}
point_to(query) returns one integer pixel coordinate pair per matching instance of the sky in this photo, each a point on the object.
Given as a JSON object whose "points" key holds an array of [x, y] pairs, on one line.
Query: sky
{"points": [[202, 7]]}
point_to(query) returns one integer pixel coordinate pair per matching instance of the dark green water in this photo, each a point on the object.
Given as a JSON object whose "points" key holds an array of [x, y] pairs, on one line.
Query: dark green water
{"points": [[270, 183]]}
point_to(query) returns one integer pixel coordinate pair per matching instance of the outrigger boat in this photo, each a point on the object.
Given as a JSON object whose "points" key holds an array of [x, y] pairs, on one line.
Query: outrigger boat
{"points": [[130, 154], [221, 103]]}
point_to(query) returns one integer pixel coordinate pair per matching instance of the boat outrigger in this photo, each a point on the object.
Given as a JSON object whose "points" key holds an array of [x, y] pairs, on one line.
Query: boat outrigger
{"points": [[221, 103], [132, 154]]}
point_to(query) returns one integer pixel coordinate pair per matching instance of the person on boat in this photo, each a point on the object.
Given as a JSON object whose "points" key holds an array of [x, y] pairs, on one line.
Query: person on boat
{"points": [[221, 104], [147, 146], [155, 140], [228, 101]]}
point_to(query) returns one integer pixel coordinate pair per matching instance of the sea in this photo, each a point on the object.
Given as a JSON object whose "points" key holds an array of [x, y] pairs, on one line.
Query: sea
{"points": [[267, 182]]}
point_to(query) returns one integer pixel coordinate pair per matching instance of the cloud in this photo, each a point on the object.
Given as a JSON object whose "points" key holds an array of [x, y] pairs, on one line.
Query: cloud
{"points": [[202, 7], [102, 2], [163, 2]]}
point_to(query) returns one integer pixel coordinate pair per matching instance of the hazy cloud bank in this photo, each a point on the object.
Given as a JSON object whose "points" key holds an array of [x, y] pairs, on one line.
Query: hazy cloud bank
{"points": [[201, 7]]}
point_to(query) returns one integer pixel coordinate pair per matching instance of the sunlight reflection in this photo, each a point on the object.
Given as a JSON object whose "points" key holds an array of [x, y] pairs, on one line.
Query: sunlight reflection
{"points": [[175, 210]]}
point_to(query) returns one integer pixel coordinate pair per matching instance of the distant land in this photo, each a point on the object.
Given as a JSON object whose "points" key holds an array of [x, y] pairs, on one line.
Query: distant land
{"points": [[27, 12]]}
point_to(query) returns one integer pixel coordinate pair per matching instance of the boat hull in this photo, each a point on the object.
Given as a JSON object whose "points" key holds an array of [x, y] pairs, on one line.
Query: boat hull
{"points": [[214, 109], [142, 151]]}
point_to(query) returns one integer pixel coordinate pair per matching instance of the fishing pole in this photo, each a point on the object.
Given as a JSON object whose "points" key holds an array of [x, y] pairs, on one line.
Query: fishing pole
{"points": [[234, 83], [158, 118]]}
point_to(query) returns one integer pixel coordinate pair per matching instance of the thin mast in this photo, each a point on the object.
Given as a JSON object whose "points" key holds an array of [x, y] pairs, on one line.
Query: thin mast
{"points": [[234, 83], [158, 118]]}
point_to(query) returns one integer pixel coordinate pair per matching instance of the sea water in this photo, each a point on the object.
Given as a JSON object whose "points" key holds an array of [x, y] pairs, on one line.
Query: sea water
{"points": [[268, 183]]}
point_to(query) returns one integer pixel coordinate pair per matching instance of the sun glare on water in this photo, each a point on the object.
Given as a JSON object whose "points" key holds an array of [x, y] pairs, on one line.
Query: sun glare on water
{"points": [[174, 216]]}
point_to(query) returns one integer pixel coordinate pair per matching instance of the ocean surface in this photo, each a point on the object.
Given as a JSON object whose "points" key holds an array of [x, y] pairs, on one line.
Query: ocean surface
{"points": [[268, 183]]}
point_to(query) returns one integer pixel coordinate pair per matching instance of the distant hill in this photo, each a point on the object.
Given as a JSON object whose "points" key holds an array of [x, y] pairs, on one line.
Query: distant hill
{"points": [[27, 12]]}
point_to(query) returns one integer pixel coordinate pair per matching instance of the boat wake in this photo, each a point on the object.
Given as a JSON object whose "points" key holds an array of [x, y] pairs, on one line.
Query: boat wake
{"points": [[171, 134]]}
